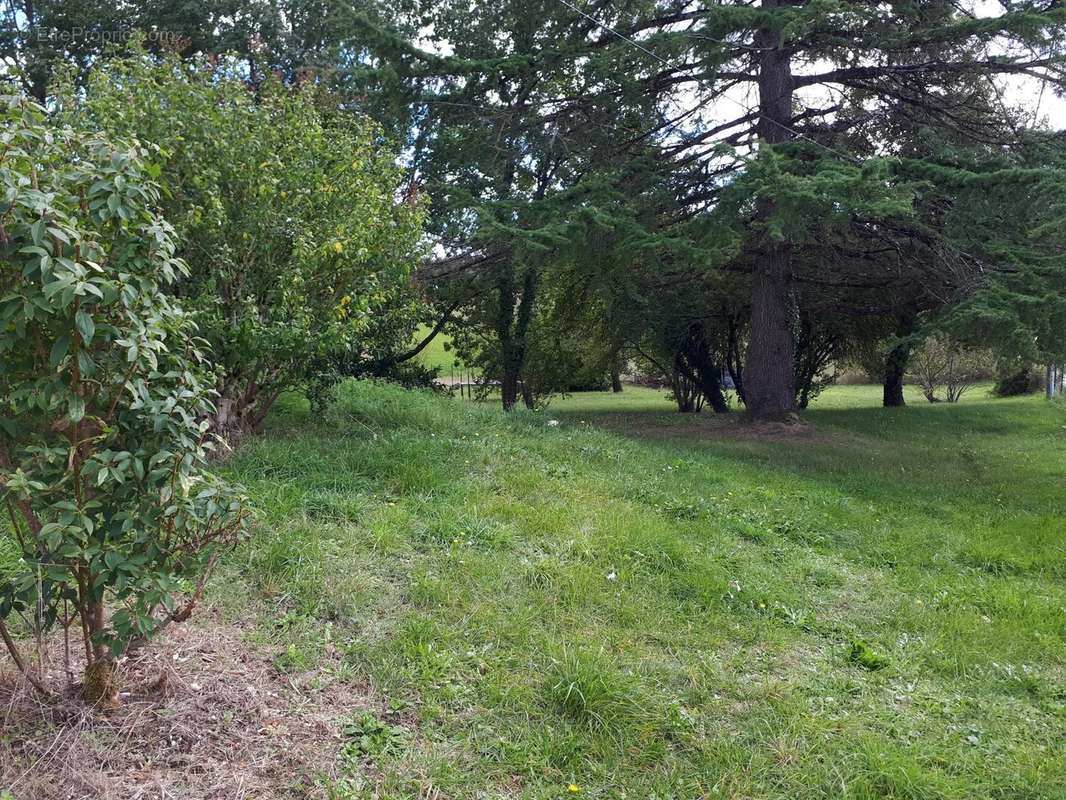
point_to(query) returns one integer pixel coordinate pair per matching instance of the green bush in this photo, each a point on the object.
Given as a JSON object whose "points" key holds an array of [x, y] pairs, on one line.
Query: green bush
{"points": [[105, 393], [287, 214], [1016, 383]]}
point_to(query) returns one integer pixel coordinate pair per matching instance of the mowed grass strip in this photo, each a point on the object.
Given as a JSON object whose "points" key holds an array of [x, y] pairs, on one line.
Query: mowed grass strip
{"points": [[872, 610]]}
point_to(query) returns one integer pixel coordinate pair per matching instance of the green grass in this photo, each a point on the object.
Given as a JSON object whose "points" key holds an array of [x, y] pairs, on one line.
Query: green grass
{"points": [[669, 607], [438, 353]]}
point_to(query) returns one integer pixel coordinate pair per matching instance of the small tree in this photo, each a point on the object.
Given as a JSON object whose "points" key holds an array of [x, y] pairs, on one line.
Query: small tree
{"points": [[942, 362], [104, 395], [290, 216]]}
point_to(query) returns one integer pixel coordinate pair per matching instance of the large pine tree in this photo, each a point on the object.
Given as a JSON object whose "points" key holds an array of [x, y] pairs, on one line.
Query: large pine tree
{"points": [[783, 84]]}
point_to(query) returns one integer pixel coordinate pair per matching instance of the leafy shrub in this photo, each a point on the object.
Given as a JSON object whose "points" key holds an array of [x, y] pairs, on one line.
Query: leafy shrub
{"points": [[105, 392], [941, 363], [1016, 382], [288, 216]]}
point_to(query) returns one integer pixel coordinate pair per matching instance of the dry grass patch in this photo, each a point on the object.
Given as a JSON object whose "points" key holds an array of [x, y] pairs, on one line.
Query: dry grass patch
{"points": [[203, 715]]}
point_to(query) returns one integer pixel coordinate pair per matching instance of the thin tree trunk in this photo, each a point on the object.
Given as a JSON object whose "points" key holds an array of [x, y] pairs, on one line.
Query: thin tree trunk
{"points": [[16, 656], [101, 684], [734, 361], [511, 363], [509, 387], [514, 315], [769, 378]]}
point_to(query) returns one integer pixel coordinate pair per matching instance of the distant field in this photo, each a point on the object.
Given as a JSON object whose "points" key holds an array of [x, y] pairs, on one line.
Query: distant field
{"points": [[435, 354], [640, 398]]}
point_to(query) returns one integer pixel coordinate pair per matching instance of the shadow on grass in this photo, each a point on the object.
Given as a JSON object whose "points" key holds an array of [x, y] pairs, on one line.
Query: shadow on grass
{"points": [[1002, 454]]}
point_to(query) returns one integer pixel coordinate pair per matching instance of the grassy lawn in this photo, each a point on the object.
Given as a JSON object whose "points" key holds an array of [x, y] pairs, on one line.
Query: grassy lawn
{"points": [[639, 604], [437, 354]]}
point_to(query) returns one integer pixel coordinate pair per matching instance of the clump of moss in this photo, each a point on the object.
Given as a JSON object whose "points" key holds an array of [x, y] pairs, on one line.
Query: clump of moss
{"points": [[862, 654]]}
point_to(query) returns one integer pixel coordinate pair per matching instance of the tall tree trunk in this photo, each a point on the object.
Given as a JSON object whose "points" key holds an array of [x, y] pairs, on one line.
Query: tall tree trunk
{"points": [[896, 363], [509, 386], [895, 367], [510, 359], [514, 315], [769, 376], [616, 381], [769, 379]]}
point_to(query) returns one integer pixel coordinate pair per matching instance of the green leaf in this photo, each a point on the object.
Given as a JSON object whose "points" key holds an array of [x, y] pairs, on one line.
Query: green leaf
{"points": [[59, 351], [86, 365], [76, 409], [86, 326]]}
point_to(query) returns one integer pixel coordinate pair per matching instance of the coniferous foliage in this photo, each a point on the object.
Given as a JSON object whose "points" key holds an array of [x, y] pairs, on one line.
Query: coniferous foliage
{"points": [[834, 186]]}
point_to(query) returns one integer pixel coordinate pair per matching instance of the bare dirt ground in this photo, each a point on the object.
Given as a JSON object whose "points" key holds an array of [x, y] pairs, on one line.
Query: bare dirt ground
{"points": [[203, 715]]}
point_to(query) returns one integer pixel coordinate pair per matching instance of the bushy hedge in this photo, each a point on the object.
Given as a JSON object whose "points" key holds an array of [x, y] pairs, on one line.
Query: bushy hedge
{"points": [[290, 214], [105, 394]]}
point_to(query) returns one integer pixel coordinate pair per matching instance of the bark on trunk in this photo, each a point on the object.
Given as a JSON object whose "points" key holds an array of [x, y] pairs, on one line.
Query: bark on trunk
{"points": [[616, 382], [240, 412], [100, 687], [896, 364], [509, 388], [895, 367], [232, 424], [769, 379], [514, 315]]}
